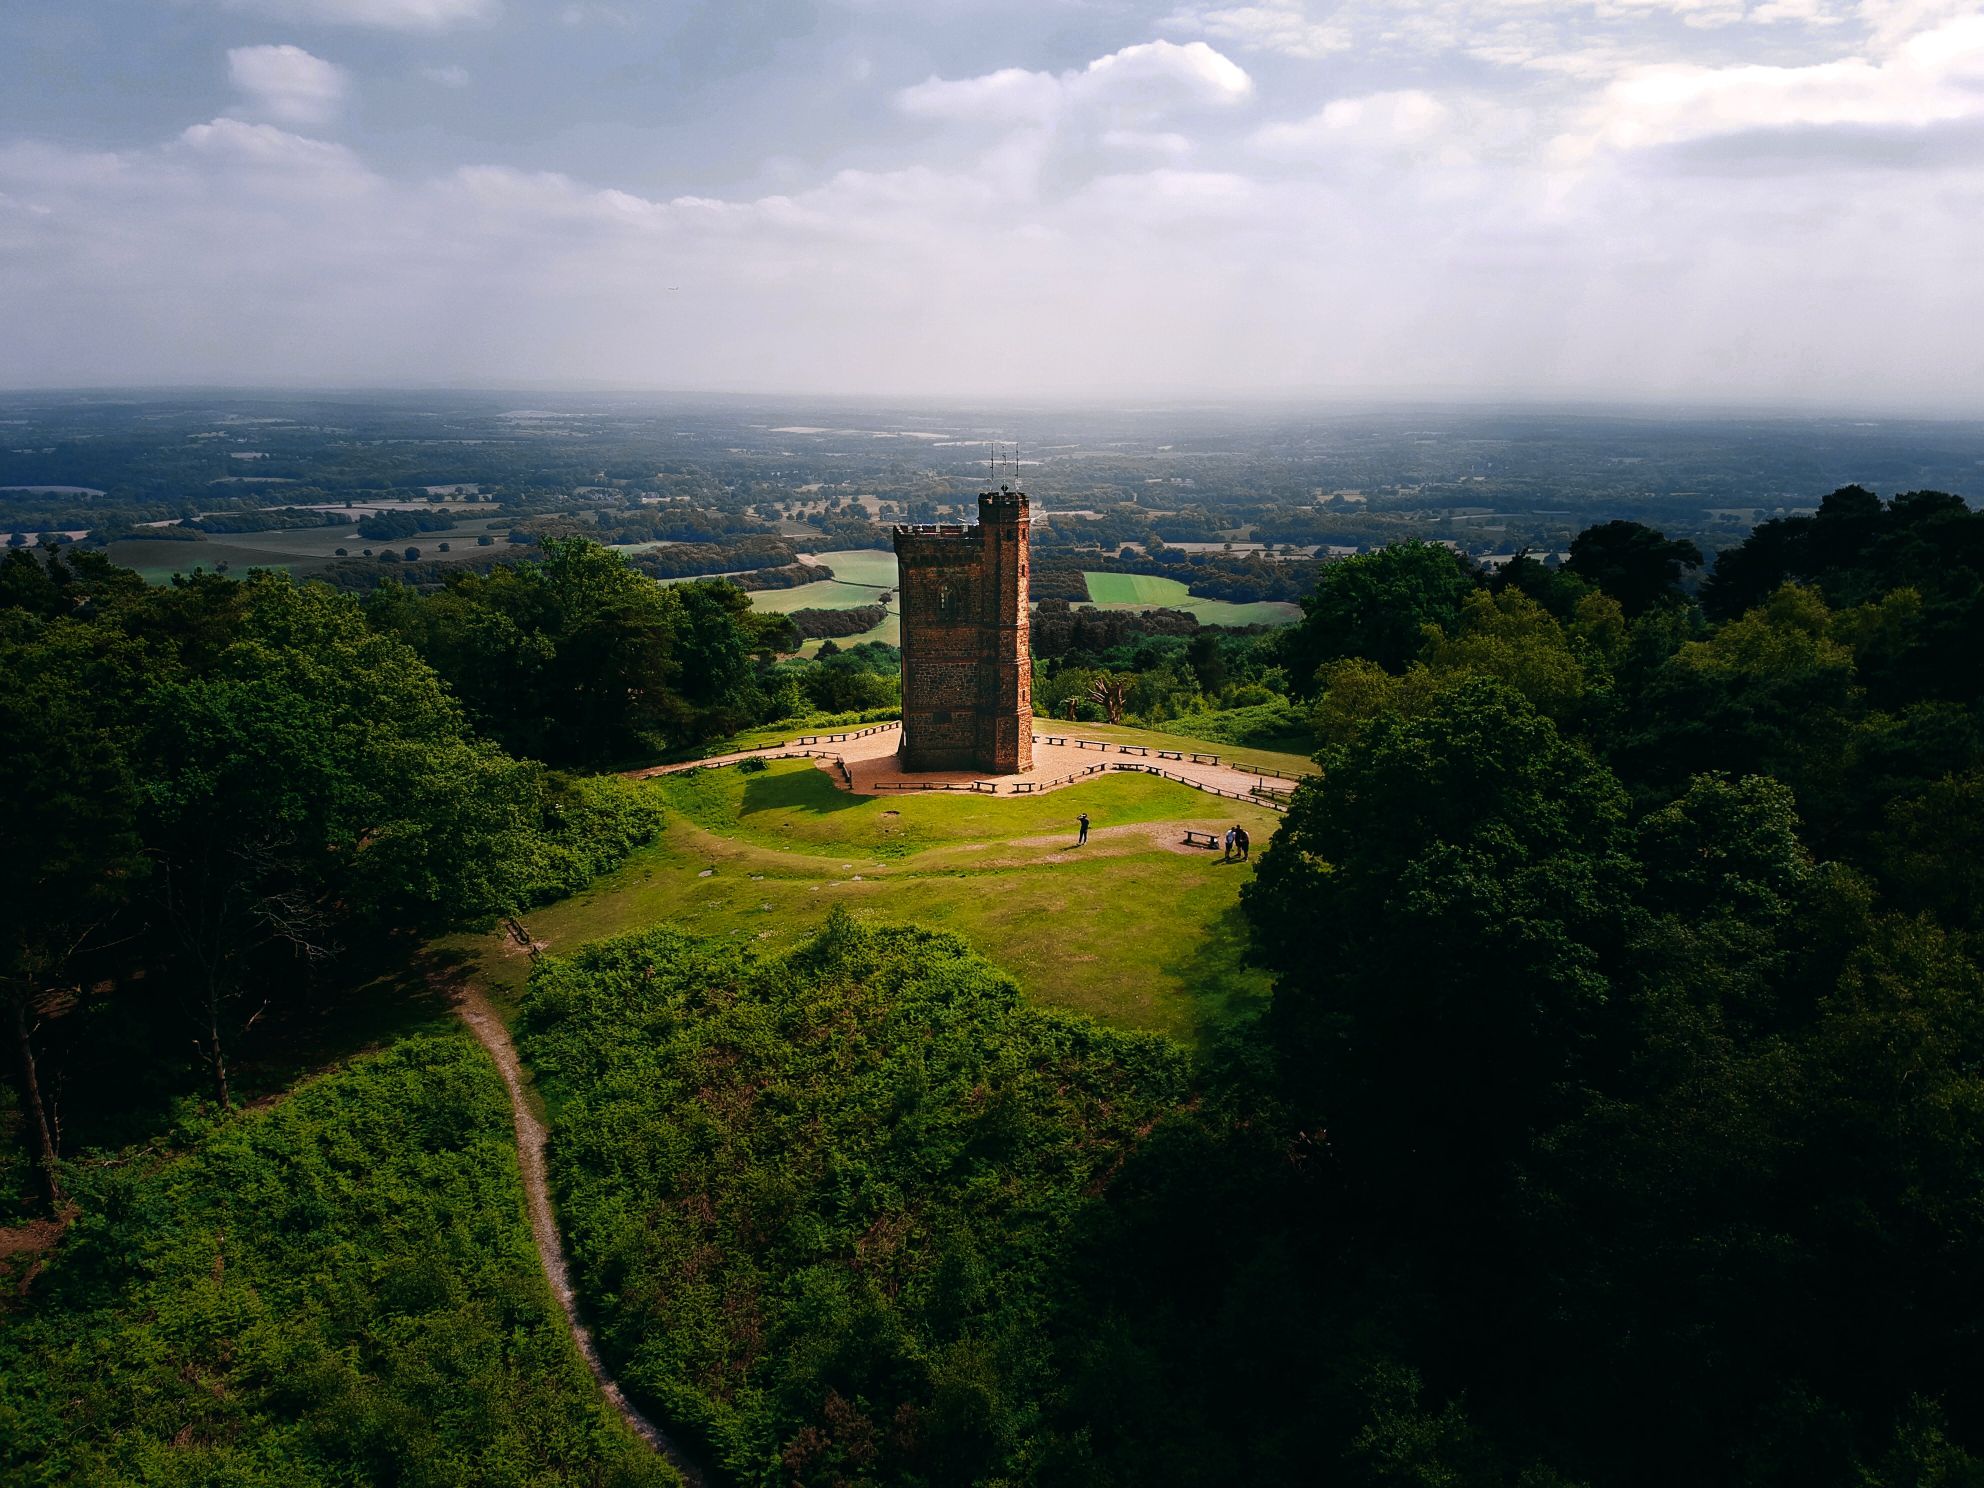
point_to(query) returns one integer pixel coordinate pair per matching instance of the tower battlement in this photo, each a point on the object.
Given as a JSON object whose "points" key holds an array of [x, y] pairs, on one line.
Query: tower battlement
{"points": [[967, 669]]}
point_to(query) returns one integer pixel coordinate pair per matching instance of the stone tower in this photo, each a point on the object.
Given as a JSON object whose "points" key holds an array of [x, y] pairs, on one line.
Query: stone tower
{"points": [[967, 672]]}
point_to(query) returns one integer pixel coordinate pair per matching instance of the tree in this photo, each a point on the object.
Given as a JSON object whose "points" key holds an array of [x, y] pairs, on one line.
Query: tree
{"points": [[1442, 913], [69, 817], [1514, 639], [1110, 693], [1773, 692], [1545, 582], [1203, 656], [1636, 565], [581, 658], [1376, 606], [303, 771]]}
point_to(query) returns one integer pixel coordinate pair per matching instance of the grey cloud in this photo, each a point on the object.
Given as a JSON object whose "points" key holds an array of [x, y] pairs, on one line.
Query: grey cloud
{"points": [[1955, 144]]}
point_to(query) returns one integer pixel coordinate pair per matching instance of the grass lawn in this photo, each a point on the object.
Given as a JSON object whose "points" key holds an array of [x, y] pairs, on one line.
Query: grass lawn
{"points": [[1118, 591], [1293, 764], [1124, 929]]}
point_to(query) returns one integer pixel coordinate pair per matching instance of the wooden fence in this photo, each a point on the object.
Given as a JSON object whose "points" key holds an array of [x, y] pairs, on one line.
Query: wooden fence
{"points": [[1273, 803], [977, 787], [1031, 787]]}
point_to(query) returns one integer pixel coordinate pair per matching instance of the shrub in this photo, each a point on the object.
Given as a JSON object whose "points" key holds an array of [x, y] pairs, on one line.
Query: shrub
{"points": [[816, 1200], [339, 1289]]}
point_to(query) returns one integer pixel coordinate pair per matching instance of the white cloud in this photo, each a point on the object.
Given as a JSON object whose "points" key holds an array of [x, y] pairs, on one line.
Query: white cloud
{"points": [[1010, 96], [1148, 141], [390, 15], [450, 76], [1122, 225], [1140, 82], [264, 145], [1931, 78], [1805, 12], [287, 83], [1282, 26], [1408, 117]]}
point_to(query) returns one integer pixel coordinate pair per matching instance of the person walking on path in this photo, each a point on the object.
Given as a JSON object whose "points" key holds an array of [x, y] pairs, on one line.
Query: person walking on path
{"points": [[1084, 826], [1232, 836]]}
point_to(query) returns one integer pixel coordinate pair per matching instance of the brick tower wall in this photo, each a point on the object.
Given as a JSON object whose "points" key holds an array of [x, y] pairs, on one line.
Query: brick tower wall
{"points": [[967, 670]]}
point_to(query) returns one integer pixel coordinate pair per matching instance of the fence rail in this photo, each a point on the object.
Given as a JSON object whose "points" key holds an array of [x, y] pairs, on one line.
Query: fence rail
{"points": [[880, 728], [1269, 770], [1271, 802], [1031, 787]]}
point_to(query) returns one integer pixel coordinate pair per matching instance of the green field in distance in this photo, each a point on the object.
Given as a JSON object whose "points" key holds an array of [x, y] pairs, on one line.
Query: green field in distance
{"points": [[1118, 591]]}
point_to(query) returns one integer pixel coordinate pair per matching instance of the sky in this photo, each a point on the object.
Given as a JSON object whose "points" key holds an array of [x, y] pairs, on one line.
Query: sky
{"points": [[1766, 202]]}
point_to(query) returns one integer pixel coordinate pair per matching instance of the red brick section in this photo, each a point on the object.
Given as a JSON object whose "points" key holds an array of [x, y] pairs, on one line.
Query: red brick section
{"points": [[967, 667]]}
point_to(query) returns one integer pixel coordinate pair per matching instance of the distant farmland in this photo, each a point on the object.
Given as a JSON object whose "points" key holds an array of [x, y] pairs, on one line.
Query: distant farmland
{"points": [[1118, 591], [861, 577]]}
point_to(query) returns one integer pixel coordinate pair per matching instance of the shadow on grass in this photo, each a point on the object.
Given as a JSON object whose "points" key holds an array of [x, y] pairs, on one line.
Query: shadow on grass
{"points": [[1226, 991], [806, 790]]}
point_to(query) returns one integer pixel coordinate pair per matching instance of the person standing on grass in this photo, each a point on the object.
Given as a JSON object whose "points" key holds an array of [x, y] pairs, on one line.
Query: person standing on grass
{"points": [[1232, 836], [1084, 826], [1240, 838]]}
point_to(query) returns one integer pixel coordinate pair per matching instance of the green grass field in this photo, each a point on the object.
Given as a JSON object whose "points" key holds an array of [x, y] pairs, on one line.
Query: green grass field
{"points": [[869, 566], [1117, 591], [861, 576], [297, 549], [1125, 929], [889, 633]]}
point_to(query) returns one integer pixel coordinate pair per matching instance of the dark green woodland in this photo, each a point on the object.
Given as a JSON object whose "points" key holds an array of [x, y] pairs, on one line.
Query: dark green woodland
{"points": [[1616, 1119]]}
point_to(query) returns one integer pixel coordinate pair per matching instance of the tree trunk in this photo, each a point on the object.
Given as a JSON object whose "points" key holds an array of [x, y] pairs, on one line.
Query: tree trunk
{"points": [[32, 1107], [216, 1055]]}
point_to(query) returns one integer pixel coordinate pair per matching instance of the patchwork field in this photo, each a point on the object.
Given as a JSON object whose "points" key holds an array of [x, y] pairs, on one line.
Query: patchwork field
{"points": [[869, 566], [1116, 591], [1131, 929], [296, 549], [861, 577]]}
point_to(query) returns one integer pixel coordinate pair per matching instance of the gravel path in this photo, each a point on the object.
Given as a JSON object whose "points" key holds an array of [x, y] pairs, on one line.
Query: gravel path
{"points": [[489, 1031]]}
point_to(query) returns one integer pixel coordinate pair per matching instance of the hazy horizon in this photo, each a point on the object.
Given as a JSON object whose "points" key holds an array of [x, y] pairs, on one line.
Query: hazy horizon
{"points": [[1772, 206]]}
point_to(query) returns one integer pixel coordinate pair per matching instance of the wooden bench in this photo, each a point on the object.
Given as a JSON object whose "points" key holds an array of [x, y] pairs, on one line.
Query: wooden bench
{"points": [[1201, 839]]}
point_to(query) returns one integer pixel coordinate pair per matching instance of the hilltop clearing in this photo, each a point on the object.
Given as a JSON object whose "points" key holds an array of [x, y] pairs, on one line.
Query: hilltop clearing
{"points": [[1134, 928]]}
